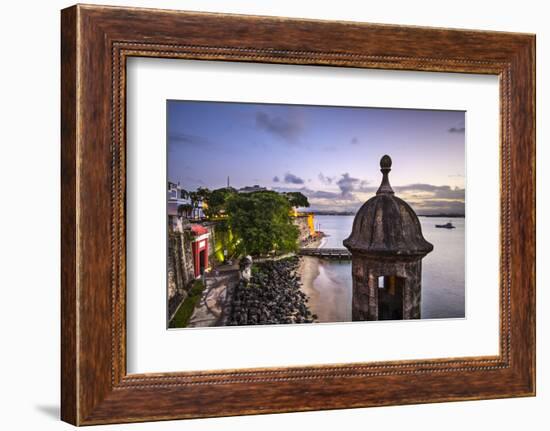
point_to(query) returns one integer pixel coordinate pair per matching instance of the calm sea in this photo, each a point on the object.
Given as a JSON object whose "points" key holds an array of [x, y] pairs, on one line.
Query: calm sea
{"points": [[443, 273]]}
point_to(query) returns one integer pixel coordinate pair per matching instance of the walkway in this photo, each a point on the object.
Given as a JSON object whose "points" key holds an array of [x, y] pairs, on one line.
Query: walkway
{"points": [[326, 253], [210, 309]]}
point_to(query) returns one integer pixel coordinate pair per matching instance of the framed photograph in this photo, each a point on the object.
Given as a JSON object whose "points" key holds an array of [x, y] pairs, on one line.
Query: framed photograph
{"points": [[274, 243], [266, 215]]}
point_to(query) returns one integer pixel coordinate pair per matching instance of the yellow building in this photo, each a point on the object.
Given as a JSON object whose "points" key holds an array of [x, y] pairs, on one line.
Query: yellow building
{"points": [[311, 223], [305, 221]]}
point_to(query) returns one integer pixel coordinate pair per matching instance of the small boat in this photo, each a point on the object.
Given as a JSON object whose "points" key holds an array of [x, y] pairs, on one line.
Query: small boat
{"points": [[448, 225]]}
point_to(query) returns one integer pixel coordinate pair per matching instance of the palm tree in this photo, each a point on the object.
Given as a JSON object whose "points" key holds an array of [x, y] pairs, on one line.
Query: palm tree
{"points": [[184, 210], [195, 198], [184, 194]]}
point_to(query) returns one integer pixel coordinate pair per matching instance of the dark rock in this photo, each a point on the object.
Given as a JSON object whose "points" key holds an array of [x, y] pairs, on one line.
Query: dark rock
{"points": [[272, 296]]}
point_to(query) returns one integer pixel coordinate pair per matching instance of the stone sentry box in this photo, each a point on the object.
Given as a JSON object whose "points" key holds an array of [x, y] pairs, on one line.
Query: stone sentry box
{"points": [[387, 248]]}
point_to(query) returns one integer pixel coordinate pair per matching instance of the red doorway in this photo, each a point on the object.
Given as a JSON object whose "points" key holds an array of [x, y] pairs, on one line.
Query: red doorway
{"points": [[200, 249]]}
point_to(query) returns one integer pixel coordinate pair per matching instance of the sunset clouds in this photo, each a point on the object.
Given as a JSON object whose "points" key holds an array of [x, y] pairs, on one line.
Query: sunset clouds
{"points": [[331, 154]]}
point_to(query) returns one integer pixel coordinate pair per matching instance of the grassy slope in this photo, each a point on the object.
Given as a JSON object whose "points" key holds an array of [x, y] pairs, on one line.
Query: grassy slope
{"points": [[181, 319]]}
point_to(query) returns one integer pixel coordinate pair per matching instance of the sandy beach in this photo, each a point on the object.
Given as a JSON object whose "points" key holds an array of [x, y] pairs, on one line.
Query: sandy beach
{"points": [[328, 299], [309, 271]]}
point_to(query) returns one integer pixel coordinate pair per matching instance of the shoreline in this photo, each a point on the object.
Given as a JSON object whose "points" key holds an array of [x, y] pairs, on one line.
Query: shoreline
{"points": [[314, 242], [329, 299], [308, 270]]}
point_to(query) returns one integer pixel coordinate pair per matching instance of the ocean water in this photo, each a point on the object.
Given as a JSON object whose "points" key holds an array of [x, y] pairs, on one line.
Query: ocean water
{"points": [[443, 270]]}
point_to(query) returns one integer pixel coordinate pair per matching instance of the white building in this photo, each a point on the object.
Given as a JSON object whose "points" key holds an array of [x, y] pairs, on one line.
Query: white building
{"points": [[176, 197]]}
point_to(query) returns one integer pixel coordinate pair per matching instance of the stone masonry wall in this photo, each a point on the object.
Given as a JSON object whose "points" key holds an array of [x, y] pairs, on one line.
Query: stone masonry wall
{"points": [[180, 263], [180, 257], [365, 287]]}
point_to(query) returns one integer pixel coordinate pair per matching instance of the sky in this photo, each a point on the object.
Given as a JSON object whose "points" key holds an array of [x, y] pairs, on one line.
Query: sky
{"points": [[330, 154]]}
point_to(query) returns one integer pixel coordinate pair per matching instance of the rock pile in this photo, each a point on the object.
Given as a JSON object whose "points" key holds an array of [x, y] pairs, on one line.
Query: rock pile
{"points": [[272, 296]]}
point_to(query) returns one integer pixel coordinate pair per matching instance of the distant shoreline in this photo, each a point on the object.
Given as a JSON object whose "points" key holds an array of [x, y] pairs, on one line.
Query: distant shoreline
{"points": [[443, 215], [333, 213], [330, 213]]}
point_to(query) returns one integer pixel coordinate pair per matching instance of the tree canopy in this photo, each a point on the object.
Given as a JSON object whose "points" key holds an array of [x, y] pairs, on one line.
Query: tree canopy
{"points": [[262, 223], [203, 193], [217, 201], [297, 199]]}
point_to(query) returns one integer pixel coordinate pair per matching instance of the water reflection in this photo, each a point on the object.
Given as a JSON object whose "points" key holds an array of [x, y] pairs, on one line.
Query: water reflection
{"points": [[329, 283]]}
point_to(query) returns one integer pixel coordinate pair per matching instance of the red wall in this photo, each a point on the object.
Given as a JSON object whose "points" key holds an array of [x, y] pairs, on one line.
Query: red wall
{"points": [[196, 255]]}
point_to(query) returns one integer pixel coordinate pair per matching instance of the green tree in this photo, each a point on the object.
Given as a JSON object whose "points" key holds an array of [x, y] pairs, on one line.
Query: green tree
{"points": [[262, 223], [184, 194], [217, 201], [203, 193], [297, 199], [200, 195], [194, 197]]}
